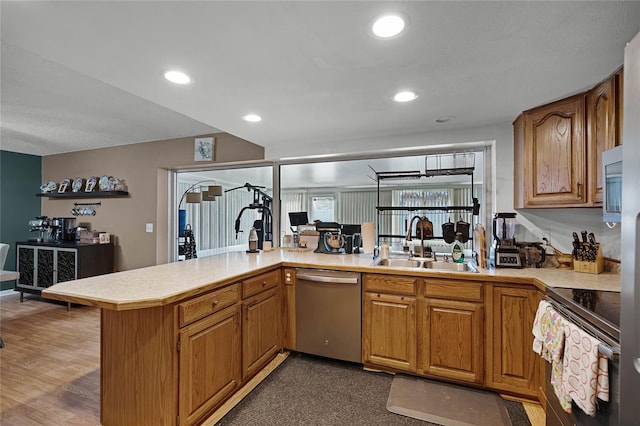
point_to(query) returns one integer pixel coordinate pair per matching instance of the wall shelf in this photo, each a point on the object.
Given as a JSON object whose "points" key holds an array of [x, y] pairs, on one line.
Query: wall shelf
{"points": [[93, 194]]}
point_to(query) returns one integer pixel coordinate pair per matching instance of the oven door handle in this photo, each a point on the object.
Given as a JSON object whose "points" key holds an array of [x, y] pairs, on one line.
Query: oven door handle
{"points": [[608, 352]]}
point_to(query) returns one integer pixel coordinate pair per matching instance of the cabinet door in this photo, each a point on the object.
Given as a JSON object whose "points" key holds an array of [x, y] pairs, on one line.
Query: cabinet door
{"points": [[512, 365], [260, 331], [555, 154], [45, 258], [209, 363], [602, 131], [389, 334], [65, 265], [26, 265], [452, 336]]}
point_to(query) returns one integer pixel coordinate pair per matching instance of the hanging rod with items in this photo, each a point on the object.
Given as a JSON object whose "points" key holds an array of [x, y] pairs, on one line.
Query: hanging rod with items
{"points": [[85, 209]]}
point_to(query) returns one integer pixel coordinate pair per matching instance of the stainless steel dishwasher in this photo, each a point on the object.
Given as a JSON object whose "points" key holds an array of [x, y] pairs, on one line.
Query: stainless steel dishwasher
{"points": [[329, 314]]}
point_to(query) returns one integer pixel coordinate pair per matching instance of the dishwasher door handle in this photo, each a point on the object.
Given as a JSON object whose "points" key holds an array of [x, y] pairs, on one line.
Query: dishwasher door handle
{"points": [[327, 278]]}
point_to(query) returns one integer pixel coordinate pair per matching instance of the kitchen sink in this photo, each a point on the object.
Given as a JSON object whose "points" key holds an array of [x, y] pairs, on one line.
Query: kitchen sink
{"points": [[399, 263], [449, 266], [429, 264]]}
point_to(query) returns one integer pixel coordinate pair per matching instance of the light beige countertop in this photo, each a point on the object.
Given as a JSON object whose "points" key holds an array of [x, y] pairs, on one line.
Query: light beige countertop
{"points": [[168, 283]]}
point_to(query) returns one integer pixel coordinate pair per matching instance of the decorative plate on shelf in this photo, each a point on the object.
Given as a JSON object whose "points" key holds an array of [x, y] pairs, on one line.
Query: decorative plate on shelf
{"points": [[91, 184], [104, 183], [65, 185], [77, 184], [48, 187]]}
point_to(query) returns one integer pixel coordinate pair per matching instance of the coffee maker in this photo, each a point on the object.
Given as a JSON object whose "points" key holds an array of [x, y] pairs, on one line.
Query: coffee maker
{"points": [[504, 251], [63, 229], [330, 240]]}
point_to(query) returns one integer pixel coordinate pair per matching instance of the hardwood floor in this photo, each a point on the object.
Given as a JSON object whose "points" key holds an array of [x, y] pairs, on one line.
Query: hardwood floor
{"points": [[50, 365]]}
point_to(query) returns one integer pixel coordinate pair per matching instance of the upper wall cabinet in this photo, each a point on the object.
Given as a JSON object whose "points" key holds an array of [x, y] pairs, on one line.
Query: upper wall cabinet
{"points": [[558, 148], [553, 150], [603, 131]]}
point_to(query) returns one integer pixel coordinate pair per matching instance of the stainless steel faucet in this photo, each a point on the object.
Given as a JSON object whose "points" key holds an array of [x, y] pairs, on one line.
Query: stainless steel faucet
{"points": [[408, 237]]}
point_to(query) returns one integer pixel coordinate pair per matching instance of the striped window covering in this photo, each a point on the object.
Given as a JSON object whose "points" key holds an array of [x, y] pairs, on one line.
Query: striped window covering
{"points": [[355, 207]]}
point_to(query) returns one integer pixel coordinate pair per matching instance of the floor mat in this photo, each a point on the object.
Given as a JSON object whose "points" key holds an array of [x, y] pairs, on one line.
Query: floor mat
{"points": [[445, 404]]}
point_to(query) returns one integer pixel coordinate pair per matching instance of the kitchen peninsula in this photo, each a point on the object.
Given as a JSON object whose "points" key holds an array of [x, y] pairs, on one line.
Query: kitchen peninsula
{"points": [[156, 322]]}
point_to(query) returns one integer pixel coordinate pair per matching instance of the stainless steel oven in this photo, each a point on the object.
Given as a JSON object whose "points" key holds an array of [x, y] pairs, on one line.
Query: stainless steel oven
{"points": [[597, 313]]}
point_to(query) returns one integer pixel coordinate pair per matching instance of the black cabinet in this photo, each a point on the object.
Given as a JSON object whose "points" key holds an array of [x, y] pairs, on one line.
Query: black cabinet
{"points": [[43, 264]]}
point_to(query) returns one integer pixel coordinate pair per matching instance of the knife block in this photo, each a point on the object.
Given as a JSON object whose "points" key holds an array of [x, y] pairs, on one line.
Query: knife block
{"points": [[594, 267]]}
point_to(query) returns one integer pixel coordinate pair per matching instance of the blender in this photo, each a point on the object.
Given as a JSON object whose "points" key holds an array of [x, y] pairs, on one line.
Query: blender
{"points": [[504, 250]]}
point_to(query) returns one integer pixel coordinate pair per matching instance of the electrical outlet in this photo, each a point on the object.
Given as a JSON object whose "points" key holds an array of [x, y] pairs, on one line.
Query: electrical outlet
{"points": [[149, 227]]}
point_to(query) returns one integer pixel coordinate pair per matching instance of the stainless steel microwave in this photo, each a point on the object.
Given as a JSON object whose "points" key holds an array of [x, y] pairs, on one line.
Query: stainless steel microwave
{"points": [[612, 184]]}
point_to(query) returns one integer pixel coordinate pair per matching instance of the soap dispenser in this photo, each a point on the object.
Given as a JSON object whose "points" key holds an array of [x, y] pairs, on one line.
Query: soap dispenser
{"points": [[457, 252]]}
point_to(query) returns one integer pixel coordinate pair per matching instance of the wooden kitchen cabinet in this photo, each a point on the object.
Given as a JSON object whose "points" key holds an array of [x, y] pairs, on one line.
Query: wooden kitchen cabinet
{"points": [[389, 326], [205, 383], [210, 330], [260, 330], [511, 363], [603, 127], [452, 331], [552, 142], [558, 148], [389, 331]]}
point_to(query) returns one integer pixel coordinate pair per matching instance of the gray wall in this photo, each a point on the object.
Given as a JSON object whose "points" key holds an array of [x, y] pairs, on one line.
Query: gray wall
{"points": [[20, 180]]}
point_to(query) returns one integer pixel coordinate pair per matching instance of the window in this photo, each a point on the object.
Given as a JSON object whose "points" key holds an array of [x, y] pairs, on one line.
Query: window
{"points": [[323, 208]]}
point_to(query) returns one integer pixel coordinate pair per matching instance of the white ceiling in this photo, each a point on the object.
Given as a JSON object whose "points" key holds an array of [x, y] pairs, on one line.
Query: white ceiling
{"points": [[81, 75]]}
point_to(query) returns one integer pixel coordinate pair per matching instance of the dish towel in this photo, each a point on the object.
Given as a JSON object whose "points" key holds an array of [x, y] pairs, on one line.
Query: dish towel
{"points": [[553, 327], [585, 373], [538, 337]]}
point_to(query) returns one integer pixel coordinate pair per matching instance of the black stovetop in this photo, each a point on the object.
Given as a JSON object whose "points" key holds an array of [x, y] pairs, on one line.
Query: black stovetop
{"points": [[599, 307]]}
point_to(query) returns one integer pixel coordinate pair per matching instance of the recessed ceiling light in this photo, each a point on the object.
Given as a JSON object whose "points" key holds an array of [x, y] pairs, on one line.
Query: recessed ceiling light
{"points": [[252, 118], [405, 96], [177, 77], [444, 119], [388, 26]]}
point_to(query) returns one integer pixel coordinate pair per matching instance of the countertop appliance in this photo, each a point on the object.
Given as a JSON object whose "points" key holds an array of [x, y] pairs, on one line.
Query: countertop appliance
{"points": [[505, 251], [597, 313], [328, 314], [41, 225], [64, 228], [330, 240], [630, 251]]}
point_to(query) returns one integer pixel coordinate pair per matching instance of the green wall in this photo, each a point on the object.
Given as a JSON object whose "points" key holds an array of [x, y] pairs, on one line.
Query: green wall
{"points": [[20, 180]]}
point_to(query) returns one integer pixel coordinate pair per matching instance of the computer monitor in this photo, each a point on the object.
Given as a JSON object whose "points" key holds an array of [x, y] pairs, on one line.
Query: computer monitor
{"points": [[298, 218]]}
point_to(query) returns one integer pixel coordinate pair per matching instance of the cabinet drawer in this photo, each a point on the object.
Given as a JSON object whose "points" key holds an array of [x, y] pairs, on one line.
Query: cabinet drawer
{"points": [[389, 284], [260, 283], [452, 289], [207, 304]]}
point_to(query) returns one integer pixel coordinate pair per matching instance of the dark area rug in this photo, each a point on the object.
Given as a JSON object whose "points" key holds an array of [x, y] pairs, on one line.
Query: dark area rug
{"points": [[306, 390]]}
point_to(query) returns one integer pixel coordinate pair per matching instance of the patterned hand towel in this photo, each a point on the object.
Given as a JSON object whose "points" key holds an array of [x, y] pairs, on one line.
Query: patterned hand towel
{"points": [[585, 373]]}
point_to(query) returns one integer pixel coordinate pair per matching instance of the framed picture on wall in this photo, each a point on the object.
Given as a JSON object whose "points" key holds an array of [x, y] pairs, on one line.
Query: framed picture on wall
{"points": [[203, 149]]}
